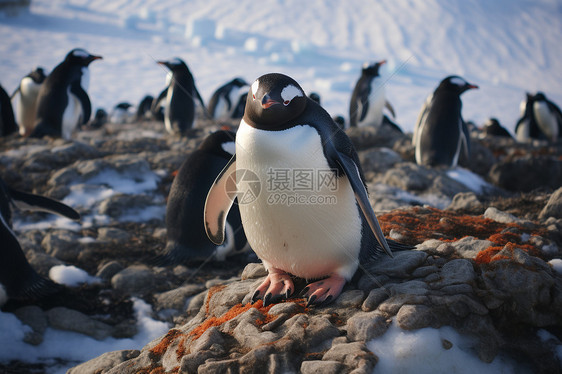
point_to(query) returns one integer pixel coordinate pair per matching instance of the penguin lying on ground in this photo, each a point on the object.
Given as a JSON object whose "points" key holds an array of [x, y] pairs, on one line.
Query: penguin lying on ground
{"points": [[26, 97], [18, 280], [440, 134], [8, 124], [184, 212], [179, 96], [301, 194], [368, 99], [492, 127], [540, 119], [63, 103], [229, 100]]}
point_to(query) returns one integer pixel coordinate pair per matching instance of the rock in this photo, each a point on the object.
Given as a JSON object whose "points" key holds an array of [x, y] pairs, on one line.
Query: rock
{"points": [[71, 320], [378, 160], [502, 217], [133, 280], [554, 206], [113, 234], [253, 271], [62, 244], [350, 299], [354, 355], [366, 326], [321, 367], [456, 272], [104, 363], [539, 172], [108, 270], [34, 317], [466, 202], [119, 204], [400, 266], [176, 298], [469, 247]]}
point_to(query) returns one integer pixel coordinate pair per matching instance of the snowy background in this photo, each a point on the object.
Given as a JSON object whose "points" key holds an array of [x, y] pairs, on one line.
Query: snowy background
{"points": [[506, 47]]}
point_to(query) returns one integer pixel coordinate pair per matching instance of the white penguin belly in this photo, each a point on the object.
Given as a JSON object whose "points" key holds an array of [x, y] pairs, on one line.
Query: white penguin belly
{"points": [[71, 116], [167, 121], [546, 120], [377, 100], [318, 235], [26, 107]]}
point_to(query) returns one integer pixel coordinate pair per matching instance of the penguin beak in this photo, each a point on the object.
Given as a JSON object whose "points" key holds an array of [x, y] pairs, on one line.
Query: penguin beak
{"points": [[267, 102], [472, 86], [382, 62]]}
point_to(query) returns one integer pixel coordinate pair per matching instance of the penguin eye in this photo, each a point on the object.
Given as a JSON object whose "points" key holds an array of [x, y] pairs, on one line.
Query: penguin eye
{"points": [[286, 102]]}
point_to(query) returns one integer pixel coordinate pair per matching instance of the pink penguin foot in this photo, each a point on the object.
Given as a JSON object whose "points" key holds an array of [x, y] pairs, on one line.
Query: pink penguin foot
{"points": [[277, 285], [324, 291]]}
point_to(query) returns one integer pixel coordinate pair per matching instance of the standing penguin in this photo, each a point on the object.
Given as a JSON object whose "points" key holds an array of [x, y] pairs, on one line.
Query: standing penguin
{"points": [[63, 103], [297, 227], [184, 212], [440, 134], [18, 280], [368, 99], [540, 119], [7, 121], [229, 100], [26, 95], [492, 127], [179, 109]]}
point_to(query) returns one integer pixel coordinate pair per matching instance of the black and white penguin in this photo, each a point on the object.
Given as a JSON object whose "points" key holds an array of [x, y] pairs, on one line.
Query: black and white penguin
{"points": [[63, 103], [18, 280], [179, 96], [8, 123], [187, 239], [25, 97], [368, 99], [229, 100], [441, 135], [143, 109], [540, 119], [313, 226], [120, 113], [100, 118], [492, 127]]}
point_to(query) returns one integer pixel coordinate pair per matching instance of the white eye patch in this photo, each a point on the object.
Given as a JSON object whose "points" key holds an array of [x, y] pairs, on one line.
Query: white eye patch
{"points": [[457, 81], [229, 147], [289, 93], [255, 87], [80, 53]]}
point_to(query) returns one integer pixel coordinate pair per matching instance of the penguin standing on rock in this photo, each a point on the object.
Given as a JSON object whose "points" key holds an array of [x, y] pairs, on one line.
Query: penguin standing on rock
{"points": [[440, 134], [184, 212], [319, 230], [63, 103], [540, 119], [26, 95], [229, 100], [180, 95], [368, 99], [7, 120], [18, 280]]}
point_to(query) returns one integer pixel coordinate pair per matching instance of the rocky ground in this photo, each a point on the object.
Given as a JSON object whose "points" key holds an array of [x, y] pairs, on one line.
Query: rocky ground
{"points": [[481, 263]]}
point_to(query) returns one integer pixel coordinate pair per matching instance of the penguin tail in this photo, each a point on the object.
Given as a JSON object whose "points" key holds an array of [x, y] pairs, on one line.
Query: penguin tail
{"points": [[372, 254], [39, 287]]}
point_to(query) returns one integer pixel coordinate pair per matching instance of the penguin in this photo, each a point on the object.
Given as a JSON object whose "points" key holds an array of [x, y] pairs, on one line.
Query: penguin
{"points": [[26, 95], [540, 119], [229, 100], [100, 118], [492, 127], [143, 109], [179, 96], [63, 103], [368, 99], [332, 230], [187, 239], [120, 113], [314, 96], [441, 135], [18, 280], [8, 124]]}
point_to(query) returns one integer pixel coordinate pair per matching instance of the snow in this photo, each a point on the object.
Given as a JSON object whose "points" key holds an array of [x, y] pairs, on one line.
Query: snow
{"points": [[556, 265], [71, 276], [469, 179], [506, 47]]}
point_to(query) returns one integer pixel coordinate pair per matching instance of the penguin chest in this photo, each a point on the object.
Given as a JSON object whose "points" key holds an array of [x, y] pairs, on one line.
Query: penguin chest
{"points": [[546, 120], [26, 108], [72, 115], [303, 219], [376, 100]]}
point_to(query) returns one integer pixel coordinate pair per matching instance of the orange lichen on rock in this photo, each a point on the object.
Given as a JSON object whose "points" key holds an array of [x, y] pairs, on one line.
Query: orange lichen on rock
{"points": [[159, 349], [210, 293]]}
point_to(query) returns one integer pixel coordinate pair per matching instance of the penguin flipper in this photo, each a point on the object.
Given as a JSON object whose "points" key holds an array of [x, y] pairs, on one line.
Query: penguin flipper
{"points": [[465, 137], [389, 122], [364, 107], [352, 172], [84, 99], [218, 203], [390, 108], [15, 93], [27, 201]]}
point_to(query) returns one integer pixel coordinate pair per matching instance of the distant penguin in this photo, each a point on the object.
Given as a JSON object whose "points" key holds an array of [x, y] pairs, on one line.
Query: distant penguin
{"points": [[229, 100], [180, 95], [100, 118], [143, 109], [284, 131], [26, 100], [440, 134], [8, 124], [18, 280], [63, 103], [340, 121], [184, 212], [120, 113], [368, 99], [492, 127], [314, 96], [540, 119]]}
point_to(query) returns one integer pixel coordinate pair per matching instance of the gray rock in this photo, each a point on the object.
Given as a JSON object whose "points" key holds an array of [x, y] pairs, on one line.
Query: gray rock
{"points": [[134, 280], [456, 272], [400, 266], [378, 160], [469, 247], [195, 303], [119, 204], [108, 270], [176, 298], [350, 299], [71, 320], [103, 363], [413, 317], [62, 244], [540, 172], [352, 355], [34, 317], [253, 271], [409, 177], [553, 207], [375, 298], [466, 201], [366, 326], [321, 367], [112, 234], [503, 217]]}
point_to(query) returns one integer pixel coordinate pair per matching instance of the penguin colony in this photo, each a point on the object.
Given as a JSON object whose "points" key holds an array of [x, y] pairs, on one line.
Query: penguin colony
{"points": [[213, 208]]}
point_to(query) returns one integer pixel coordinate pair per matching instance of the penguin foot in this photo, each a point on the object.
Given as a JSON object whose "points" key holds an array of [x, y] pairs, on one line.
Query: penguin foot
{"points": [[277, 286], [325, 290]]}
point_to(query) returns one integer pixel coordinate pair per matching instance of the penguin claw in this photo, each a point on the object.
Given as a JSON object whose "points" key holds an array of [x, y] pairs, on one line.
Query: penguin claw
{"points": [[311, 300], [256, 296], [267, 299]]}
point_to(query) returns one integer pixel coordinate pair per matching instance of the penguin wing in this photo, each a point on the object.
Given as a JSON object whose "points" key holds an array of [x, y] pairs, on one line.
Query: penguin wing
{"points": [[351, 170], [465, 138], [156, 102], [27, 201], [390, 108], [84, 99], [389, 122], [421, 118], [219, 202], [15, 93], [364, 103]]}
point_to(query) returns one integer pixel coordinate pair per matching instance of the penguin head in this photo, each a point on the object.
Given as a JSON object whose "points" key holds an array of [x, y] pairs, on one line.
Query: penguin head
{"points": [[220, 142], [81, 57], [175, 64], [273, 100], [38, 75], [372, 70], [239, 82], [491, 123], [455, 84], [540, 96]]}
